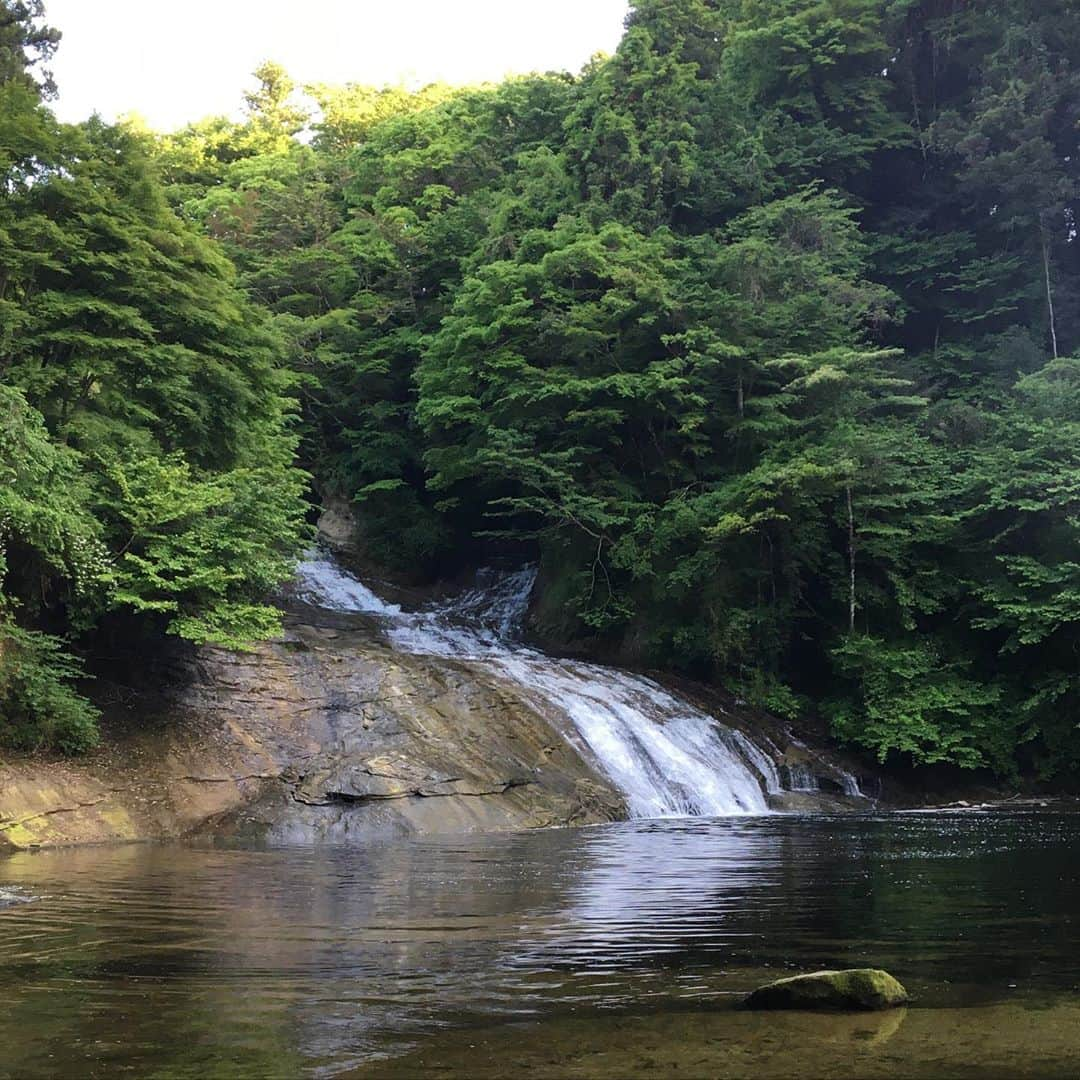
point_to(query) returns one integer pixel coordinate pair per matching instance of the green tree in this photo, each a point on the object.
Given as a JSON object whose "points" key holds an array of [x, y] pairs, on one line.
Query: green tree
{"points": [[146, 451], [757, 333], [26, 45]]}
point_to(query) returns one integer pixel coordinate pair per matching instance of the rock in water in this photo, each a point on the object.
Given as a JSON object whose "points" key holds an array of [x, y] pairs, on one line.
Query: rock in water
{"points": [[842, 991]]}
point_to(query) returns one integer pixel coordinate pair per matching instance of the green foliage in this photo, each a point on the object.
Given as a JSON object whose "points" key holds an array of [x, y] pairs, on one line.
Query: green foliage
{"points": [[26, 43], [51, 541], [910, 700], [199, 548], [38, 706], [759, 333], [146, 450], [56, 536]]}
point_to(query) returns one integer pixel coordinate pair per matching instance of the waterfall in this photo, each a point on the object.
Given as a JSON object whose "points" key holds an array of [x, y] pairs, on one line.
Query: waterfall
{"points": [[807, 776], [802, 778], [666, 756]]}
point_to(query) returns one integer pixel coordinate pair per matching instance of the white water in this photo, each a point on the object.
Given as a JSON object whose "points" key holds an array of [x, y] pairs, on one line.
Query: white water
{"points": [[801, 777], [666, 756], [10, 897]]}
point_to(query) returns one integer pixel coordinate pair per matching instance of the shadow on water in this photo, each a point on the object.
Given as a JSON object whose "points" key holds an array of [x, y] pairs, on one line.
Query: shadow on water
{"points": [[626, 947]]}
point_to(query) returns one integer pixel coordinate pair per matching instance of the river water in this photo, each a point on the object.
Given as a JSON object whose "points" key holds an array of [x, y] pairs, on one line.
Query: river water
{"points": [[608, 952]]}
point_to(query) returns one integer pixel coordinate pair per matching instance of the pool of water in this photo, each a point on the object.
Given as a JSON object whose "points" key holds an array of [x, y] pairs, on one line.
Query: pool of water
{"points": [[606, 952]]}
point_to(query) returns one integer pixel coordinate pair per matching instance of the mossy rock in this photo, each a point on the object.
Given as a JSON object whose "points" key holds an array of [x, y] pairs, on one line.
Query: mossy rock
{"points": [[857, 989]]}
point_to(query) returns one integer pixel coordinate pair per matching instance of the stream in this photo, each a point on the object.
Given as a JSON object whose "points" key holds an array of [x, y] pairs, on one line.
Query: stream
{"points": [[612, 951]]}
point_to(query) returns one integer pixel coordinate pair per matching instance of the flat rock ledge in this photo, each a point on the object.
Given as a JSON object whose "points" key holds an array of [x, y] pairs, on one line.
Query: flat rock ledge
{"points": [[325, 735], [854, 990]]}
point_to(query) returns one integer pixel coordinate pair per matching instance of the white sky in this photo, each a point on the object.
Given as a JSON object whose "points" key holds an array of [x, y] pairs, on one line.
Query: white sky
{"points": [[173, 61]]}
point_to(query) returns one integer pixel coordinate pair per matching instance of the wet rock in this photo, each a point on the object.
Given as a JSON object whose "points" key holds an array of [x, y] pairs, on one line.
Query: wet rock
{"points": [[857, 989], [326, 735], [804, 802], [337, 524]]}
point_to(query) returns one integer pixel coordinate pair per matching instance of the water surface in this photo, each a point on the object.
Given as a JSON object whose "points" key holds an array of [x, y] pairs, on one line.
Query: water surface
{"points": [[612, 951]]}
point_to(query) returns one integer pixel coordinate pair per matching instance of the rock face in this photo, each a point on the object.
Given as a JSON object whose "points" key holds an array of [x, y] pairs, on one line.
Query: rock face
{"points": [[366, 719], [326, 734], [337, 524], [858, 989]]}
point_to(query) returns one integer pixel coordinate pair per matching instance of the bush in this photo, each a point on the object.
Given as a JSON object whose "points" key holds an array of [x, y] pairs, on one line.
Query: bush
{"points": [[39, 708]]}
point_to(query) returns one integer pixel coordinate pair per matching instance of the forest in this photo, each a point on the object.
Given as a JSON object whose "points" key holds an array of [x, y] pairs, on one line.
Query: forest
{"points": [[762, 336]]}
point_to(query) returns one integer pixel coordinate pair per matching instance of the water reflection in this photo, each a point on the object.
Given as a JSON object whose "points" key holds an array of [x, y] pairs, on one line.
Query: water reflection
{"points": [[191, 962], [657, 894]]}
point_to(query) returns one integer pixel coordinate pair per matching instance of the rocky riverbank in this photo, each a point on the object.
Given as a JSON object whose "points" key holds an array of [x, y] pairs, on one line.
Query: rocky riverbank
{"points": [[292, 740], [365, 720]]}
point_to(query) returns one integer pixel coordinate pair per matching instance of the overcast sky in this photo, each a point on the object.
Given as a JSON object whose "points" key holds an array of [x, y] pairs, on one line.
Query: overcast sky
{"points": [[174, 61]]}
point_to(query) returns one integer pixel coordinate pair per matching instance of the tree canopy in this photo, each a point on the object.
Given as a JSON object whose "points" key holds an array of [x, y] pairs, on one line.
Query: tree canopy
{"points": [[146, 442], [762, 335]]}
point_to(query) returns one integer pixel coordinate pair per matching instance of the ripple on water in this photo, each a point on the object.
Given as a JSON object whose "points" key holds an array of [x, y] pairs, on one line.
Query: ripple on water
{"points": [[315, 961], [11, 897]]}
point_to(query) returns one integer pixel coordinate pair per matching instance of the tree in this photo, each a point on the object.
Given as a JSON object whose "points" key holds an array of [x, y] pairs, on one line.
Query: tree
{"points": [[26, 45], [272, 115], [146, 451]]}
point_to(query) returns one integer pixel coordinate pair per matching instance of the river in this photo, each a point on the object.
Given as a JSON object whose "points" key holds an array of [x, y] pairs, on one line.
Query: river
{"points": [[606, 952]]}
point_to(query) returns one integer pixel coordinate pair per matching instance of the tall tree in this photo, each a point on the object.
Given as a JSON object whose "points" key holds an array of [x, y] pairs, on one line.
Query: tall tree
{"points": [[146, 452]]}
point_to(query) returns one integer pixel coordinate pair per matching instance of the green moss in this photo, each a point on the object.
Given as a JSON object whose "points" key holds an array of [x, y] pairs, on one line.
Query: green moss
{"points": [[855, 989], [17, 836]]}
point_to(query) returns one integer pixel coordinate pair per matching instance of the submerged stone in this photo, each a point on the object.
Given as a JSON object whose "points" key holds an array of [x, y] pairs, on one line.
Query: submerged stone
{"points": [[842, 991]]}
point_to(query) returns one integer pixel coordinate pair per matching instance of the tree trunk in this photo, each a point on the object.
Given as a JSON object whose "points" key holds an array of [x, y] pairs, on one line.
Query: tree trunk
{"points": [[851, 561], [1049, 291]]}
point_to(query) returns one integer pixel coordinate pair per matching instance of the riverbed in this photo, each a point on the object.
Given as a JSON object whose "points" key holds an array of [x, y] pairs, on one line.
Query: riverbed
{"points": [[612, 951]]}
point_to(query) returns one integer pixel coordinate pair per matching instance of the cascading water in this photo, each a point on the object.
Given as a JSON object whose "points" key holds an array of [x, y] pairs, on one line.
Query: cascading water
{"points": [[801, 778], [666, 756]]}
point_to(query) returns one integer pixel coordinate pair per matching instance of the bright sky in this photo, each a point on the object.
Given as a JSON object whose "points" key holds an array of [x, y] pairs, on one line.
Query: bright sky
{"points": [[173, 61]]}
